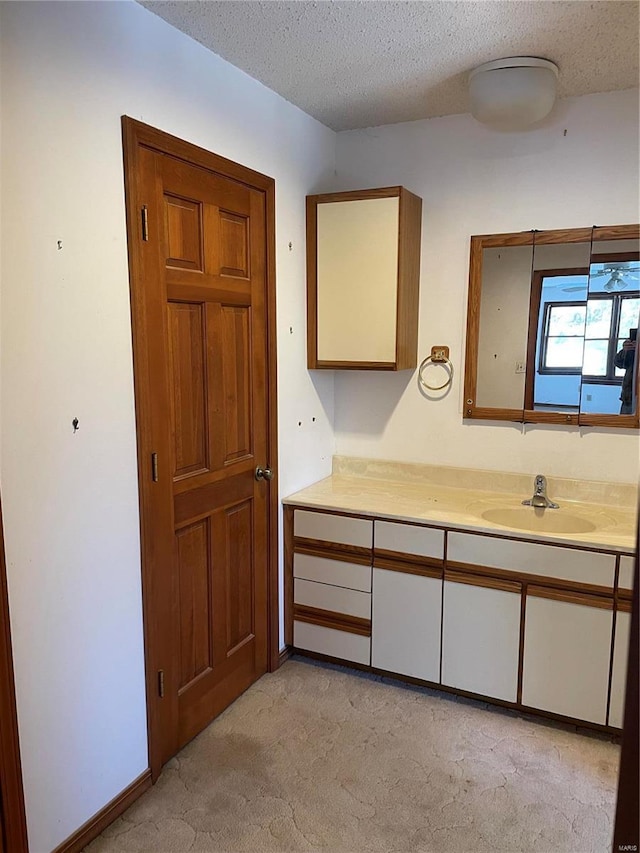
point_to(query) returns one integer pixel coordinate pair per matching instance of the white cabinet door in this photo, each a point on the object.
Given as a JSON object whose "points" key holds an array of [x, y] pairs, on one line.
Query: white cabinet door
{"points": [[405, 628], [567, 646], [481, 639], [619, 674]]}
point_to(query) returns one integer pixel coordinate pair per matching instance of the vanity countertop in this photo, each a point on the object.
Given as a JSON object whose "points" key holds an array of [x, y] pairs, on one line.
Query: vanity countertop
{"points": [[458, 498]]}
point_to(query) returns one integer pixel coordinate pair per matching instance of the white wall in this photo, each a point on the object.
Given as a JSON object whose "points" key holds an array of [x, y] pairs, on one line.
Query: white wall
{"points": [[69, 71], [579, 169]]}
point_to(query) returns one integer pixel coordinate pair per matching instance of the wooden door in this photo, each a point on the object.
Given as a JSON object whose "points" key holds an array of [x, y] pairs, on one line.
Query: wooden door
{"points": [[13, 825], [205, 397]]}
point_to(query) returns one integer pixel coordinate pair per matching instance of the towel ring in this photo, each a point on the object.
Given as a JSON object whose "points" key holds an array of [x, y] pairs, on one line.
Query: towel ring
{"points": [[445, 363]]}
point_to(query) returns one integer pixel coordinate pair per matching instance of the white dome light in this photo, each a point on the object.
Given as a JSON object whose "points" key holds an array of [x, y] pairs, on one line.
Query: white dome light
{"points": [[513, 93]]}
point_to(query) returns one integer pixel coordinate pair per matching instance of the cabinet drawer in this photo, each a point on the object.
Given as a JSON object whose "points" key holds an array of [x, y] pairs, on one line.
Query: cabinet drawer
{"points": [[333, 598], [332, 642], [336, 572], [409, 539], [586, 567], [333, 528], [625, 578]]}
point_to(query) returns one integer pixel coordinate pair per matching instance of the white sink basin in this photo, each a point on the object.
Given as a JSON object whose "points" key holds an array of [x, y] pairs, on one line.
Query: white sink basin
{"points": [[538, 520]]}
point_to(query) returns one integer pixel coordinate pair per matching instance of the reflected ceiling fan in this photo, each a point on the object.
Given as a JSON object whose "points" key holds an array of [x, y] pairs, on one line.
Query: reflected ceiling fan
{"points": [[620, 275]]}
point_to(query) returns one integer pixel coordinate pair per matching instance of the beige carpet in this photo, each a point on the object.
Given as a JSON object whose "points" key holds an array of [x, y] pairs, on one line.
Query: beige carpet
{"points": [[316, 757]]}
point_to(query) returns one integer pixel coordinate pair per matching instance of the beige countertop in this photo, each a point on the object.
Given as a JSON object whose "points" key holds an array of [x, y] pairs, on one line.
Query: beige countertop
{"points": [[458, 498]]}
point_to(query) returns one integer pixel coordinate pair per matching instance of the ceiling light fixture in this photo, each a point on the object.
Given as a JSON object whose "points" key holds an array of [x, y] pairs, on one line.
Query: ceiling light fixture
{"points": [[513, 93]]}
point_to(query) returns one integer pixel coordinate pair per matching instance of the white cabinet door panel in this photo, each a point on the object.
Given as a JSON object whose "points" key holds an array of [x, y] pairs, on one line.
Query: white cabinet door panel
{"points": [[405, 627], [567, 648], [409, 539], [619, 674], [336, 572], [335, 598], [625, 578], [552, 561], [333, 528], [332, 642], [480, 641]]}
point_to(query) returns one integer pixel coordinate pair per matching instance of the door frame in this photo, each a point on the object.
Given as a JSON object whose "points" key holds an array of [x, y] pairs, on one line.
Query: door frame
{"points": [[137, 136], [13, 819]]}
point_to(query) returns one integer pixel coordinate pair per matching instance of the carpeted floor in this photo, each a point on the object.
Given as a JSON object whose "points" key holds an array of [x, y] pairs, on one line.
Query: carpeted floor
{"points": [[316, 757]]}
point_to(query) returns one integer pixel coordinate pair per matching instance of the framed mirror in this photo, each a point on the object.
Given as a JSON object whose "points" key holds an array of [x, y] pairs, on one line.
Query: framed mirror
{"points": [[551, 325]]}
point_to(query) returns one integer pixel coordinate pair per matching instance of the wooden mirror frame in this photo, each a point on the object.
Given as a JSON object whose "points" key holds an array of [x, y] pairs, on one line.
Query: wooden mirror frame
{"points": [[524, 415]]}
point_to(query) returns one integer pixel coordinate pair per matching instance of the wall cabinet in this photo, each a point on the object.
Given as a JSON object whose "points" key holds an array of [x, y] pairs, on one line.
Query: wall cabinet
{"points": [[363, 271], [567, 647], [526, 623], [480, 637]]}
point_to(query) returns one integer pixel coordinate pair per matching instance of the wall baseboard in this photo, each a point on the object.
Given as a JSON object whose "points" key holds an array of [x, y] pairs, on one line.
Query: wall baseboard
{"points": [[285, 654], [94, 826]]}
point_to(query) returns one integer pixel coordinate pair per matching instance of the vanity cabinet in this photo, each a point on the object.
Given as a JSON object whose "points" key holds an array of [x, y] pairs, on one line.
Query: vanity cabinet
{"points": [[363, 271], [529, 624], [619, 669], [480, 635], [567, 648]]}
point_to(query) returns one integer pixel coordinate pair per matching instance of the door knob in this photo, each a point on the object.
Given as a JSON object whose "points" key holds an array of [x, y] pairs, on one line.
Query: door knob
{"points": [[264, 474]]}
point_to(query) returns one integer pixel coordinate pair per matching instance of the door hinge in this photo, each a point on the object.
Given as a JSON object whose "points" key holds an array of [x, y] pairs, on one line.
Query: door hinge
{"points": [[161, 683], [145, 223], [154, 467]]}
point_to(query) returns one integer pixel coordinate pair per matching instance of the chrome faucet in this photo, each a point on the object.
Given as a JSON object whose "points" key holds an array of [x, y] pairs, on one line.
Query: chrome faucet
{"points": [[540, 498]]}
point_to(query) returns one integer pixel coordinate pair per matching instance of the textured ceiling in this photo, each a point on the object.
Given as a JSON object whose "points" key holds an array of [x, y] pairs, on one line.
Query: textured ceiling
{"points": [[355, 63]]}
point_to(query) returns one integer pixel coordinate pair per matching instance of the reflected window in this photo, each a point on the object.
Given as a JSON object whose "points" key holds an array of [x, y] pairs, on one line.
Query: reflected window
{"points": [[585, 337], [563, 342]]}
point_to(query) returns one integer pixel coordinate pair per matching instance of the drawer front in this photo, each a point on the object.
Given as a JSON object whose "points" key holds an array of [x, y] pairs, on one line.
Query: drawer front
{"points": [[334, 598], [330, 641], [333, 528], [625, 578], [530, 558], [409, 539], [335, 572]]}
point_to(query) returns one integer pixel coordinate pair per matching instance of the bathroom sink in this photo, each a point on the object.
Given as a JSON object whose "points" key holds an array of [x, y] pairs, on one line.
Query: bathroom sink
{"points": [[538, 520]]}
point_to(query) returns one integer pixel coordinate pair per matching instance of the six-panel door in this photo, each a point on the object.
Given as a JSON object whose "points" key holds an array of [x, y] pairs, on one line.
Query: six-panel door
{"points": [[205, 259]]}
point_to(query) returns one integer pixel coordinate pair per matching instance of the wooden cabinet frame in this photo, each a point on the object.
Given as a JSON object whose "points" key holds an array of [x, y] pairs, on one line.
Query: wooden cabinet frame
{"points": [[408, 282], [528, 415]]}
